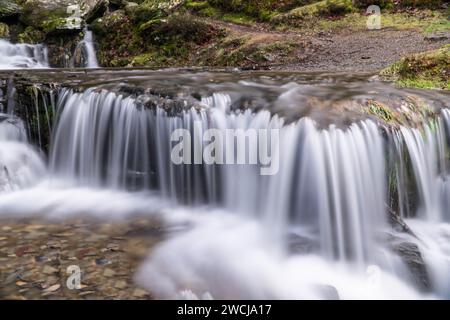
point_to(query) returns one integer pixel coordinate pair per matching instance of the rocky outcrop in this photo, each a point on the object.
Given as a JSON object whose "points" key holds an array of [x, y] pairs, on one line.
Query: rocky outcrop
{"points": [[8, 9], [51, 15]]}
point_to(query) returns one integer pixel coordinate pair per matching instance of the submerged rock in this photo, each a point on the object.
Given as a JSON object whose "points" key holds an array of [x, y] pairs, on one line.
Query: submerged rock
{"points": [[411, 256]]}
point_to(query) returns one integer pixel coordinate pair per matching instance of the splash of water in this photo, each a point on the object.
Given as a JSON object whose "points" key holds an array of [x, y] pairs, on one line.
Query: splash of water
{"points": [[22, 56], [87, 51]]}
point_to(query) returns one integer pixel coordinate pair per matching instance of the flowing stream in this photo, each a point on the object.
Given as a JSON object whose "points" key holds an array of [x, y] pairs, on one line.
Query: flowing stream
{"points": [[16, 56], [86, 50], [318, 228]]}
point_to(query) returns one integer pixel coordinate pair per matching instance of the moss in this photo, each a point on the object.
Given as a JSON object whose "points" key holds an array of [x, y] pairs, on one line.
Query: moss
{"points": [[53, 24], [324, 8], [118, 39], [4, 30], [380, 110], [244, 51], [31, 35], [424, 20], [243, 11], [9, 8], [46, 15], [154, 9], [430, 70], [439, 25], [238, 18]]}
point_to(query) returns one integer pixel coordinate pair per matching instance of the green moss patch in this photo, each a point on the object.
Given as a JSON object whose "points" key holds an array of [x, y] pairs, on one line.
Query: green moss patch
{"points": [[325, 8], [429, 70]]}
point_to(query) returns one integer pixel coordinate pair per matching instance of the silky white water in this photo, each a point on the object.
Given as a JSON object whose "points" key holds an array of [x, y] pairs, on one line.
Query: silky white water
{"points": [[318, 229], [22, 55], [87, 50]]}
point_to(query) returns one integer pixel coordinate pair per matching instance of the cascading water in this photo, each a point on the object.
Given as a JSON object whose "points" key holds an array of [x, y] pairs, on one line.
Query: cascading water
{"points": [[328, 198], [20, 165], [84, 55], [428, 161], [318, 228], [21, 56]]}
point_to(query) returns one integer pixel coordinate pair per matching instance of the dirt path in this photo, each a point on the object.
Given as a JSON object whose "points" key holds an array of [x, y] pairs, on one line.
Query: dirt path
{"points": [[364, 50], [341, 50]]}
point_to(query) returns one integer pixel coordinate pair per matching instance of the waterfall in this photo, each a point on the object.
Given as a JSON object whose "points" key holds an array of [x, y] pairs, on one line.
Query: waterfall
{"points": [[331, 183], [318, 228], [20, 164], [84, 55], [20, 56]]}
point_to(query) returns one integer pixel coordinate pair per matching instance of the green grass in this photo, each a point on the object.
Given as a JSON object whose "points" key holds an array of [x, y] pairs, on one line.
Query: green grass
{"points": [[428, 21], [429, 70]]}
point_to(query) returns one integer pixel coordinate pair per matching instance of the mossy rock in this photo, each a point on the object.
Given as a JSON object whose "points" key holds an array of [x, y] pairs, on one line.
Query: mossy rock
{"points": [[154, 9], [429, 70], [9, 8], [324, 8], [117, 38], [49, 15], [31, 35], [4, 30], [254, 7]]}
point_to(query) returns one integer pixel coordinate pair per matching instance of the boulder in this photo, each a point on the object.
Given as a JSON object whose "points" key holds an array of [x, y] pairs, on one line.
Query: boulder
{"points": [[411, 256], [93, 9], [52, 15], [8, 9], [155, 9]]}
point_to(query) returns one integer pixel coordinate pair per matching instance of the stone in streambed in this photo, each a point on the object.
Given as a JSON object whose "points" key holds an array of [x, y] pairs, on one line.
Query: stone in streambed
{"points": [[49, 270]]}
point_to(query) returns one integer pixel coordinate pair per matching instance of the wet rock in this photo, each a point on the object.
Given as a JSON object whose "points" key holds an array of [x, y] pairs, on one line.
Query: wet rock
{"points": [[109, 273], [94, 9], [327, 292], [102, 261], [398, 224], [300, 245], [438, 36], [121, 284], [410, 254]]}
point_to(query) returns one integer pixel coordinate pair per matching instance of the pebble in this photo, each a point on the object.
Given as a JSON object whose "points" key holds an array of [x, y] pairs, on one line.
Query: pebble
{"points": [[121, 284], [109, 273], [49, 270], [53, 288]]}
